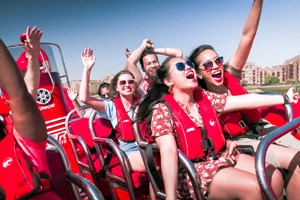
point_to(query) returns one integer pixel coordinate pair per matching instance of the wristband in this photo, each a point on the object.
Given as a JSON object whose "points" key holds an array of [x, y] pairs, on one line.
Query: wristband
{"points": [[286, 99]]}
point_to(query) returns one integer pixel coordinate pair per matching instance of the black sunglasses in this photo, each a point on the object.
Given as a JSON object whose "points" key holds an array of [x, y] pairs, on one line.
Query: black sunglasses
{"points": [[181, 66], [208, 66]]}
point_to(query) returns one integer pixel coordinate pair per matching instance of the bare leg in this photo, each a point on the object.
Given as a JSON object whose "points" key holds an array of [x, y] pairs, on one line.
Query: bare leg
{"points": [[289, 159], [136, 162], [239, 182]]}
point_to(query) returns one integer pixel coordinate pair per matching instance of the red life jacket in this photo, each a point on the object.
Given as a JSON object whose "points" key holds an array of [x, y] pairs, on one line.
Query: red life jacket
{"points": [[189, 137], [124, 127], [237, 123], [18, 178]]}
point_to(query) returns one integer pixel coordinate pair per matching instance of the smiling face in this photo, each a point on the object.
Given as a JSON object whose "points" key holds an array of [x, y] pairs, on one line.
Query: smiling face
{"points": [[211, 68], [182, 75], [151, 64], [125, 85]]}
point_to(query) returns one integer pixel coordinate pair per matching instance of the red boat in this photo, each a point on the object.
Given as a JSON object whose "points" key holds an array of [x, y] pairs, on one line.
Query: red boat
{"points": [[83, 144]]}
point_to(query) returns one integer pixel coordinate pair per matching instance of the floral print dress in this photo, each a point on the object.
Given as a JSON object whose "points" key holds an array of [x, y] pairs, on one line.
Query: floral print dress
{"points": [[162, 124]]}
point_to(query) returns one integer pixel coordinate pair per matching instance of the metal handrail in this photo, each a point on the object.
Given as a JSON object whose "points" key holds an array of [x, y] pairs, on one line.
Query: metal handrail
{"points": [[126, 182], [183, 160], [261, 156], [91, 190]]}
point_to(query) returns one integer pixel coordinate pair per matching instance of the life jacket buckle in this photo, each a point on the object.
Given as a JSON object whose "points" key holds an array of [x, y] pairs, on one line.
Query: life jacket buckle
{"points": [[242, 124]]}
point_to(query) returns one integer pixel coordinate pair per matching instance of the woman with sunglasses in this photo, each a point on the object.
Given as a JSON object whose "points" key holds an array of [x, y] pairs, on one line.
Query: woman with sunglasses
{"points": [[119, 110], [174, 111], [246, 126]]}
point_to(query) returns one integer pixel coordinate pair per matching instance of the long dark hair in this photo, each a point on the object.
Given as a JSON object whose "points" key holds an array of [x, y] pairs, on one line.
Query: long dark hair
{"points": [[155, 93], [3, 131], [193, 57]]}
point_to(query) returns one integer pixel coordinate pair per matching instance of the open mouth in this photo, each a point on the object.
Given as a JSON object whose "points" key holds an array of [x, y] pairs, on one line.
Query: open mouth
{"points": [[190, 75], [217, 76]]}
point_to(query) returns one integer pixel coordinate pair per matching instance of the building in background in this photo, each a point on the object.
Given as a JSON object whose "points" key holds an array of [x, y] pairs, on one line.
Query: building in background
{"points": [[252, 74], [287, 72], [94, 84]]}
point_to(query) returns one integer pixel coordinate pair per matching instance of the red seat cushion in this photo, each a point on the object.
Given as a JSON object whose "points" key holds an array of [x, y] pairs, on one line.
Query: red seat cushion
{"points": [[80, 128], [138, 178], [275, 115]]}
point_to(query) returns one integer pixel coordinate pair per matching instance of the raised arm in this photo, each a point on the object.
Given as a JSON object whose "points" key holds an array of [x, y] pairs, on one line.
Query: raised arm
{"points": [[238, 60], [134, 58], [73, 97], [251, 101], [88, 60], [32, 48], [26, 116]]}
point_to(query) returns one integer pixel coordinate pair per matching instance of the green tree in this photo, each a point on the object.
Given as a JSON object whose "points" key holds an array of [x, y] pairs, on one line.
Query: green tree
{"points": [[269, 80], [244, 83], [290, 81]]}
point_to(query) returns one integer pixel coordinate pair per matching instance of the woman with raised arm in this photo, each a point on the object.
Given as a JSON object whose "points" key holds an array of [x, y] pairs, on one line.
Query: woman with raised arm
{"points": [[246, 126], [182, 115], [118, 110]]}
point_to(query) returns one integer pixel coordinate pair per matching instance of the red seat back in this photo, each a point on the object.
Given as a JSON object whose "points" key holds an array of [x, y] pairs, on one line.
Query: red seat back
{"points": [[60, 184]]}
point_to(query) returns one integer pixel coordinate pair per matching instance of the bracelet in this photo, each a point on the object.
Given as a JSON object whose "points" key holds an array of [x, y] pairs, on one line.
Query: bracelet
{"points": [[286, 99]]}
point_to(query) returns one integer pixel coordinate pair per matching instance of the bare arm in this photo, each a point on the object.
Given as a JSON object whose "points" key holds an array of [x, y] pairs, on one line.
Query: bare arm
{"points": [[134, 58], [26, 116], [73, 97], [88, 60], [240, 57], [169, 163], [32, 48], [170, 52], [252, 101]]}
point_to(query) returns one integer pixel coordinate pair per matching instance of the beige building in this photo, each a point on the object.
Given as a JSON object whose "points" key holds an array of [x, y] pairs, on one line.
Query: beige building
{"points": [[288, 71], [94, 84]]}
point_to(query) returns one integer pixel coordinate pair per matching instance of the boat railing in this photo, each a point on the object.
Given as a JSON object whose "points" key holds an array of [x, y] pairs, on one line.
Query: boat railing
{"points": [[260, 157]]}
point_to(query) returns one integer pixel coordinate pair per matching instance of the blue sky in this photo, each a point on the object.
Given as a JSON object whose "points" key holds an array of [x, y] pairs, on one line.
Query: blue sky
{"points": [[110, 26]]}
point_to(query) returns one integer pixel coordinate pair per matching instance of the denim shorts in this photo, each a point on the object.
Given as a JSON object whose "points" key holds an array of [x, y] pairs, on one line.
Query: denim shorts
{"points": [[128, 147]]}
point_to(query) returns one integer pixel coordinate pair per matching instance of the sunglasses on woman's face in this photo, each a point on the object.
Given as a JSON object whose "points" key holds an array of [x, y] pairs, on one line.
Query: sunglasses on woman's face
{"points": [[181, 66], [208, 65], [123, 82]]}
